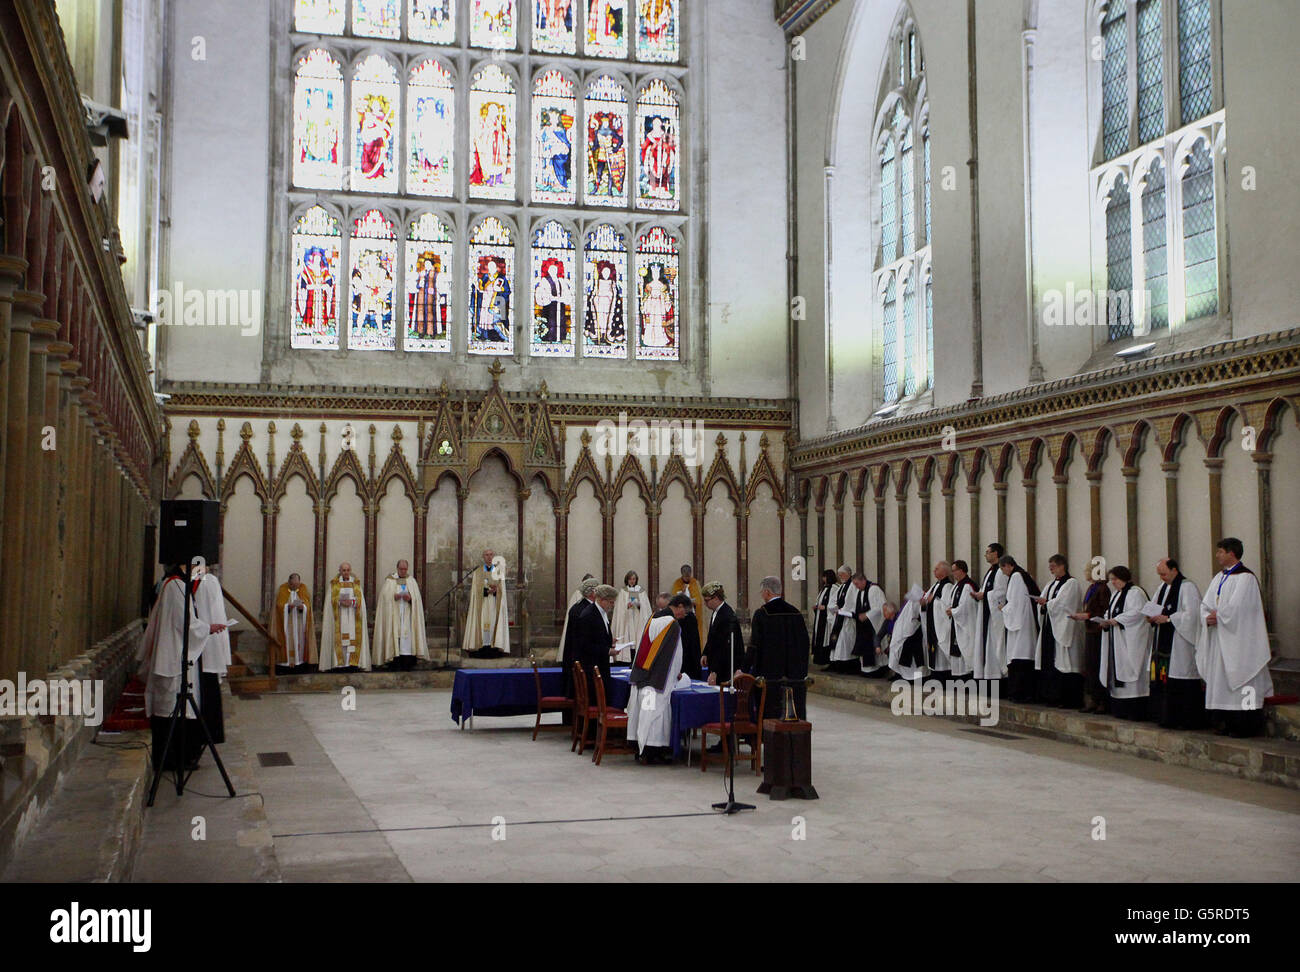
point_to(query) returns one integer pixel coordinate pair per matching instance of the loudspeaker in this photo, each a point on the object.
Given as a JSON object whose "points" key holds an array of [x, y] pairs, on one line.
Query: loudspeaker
{"points": [[188, 529]]}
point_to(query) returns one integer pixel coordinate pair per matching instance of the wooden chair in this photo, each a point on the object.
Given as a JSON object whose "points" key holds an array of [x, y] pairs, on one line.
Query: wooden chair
{"points": [[608, 719], [749, 729], [548, 703], [582, 708]]}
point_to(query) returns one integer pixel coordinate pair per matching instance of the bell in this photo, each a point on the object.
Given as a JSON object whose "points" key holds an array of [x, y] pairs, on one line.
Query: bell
{"points": [[790, 714]]}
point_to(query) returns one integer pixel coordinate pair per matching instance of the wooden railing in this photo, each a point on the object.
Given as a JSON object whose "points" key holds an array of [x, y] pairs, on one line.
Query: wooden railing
{"points": [[272, 642]]}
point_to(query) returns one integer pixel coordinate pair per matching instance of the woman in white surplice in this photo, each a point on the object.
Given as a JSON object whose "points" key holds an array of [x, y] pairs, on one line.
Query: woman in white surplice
{"points": [[1126, 647], [631, 612]]}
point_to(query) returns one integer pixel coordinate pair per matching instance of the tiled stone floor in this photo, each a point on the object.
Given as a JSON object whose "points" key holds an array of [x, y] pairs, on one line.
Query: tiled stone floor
{"points": [[902, 799]]}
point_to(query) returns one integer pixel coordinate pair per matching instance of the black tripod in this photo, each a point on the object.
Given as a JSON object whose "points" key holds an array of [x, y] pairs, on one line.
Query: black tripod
{"points": [[729, 805], [184, 697], [446, 655]]}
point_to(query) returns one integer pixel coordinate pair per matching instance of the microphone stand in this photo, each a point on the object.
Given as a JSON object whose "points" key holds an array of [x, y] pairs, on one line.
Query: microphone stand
{"points": [[730, 806], [446, 656]]}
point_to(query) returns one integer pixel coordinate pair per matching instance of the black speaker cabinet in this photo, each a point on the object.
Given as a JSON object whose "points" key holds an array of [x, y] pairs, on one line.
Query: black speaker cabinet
{"points": [[188, 529]]}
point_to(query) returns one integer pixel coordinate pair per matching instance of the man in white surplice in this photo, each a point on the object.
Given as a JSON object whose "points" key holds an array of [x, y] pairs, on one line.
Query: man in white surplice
{"points": [[907, 640], [1177, 693], [400, 637], [964, 610], [1020, 618], [989, 661], [210, 606], [1058, 652], [1232, 652], [855, 648], [1126, 647]]}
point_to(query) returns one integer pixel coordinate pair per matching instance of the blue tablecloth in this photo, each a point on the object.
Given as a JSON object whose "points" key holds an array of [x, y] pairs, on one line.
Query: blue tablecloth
{"points": [[512, 691]]}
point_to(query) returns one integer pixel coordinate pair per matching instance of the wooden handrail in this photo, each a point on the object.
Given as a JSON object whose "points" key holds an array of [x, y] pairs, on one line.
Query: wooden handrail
{"points": [[271, 640]]}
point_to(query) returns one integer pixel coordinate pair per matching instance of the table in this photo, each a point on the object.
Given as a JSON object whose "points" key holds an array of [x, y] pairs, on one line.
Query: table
{"points": [[512, 692]]}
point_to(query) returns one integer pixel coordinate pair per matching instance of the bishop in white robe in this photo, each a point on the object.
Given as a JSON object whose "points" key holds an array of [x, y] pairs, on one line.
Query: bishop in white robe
{"points": [[1126, 647], [631, 612], [1058, 654], [487, 622], [293, 625], [1232, 652], [1177, 692], [210, 606], [400, 637], [938, 625], [161, 669], [834, 625], [345, 640]]}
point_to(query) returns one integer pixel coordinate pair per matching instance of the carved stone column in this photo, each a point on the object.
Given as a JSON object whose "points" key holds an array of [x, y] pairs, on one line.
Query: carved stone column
{"points": [[1170, 469], [652, 529], [742, 558], [880, 537], [1263, 469], [1031, 525], [14, 609], [860, 534], [949, 523], [1094, 501], [1214, 469], [1131, 507], [837, 504], [561, 561], [1062, 516], [1000, 492], [925, 530], [900, 498]]}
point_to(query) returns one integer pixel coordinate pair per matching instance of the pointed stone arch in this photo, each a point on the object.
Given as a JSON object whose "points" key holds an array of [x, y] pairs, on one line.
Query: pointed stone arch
{"points": [[192, 463]]}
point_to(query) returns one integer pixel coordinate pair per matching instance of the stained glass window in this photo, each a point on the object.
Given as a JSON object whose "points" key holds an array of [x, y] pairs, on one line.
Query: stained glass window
{"points": [[431, 21], [656, 30], [491, 288], [554, 262], [1119, 263], [888, 204], [905, 193], [656, 271], [606, 32], [316, 243], [553, 27], [492, 24], [492, 135], [889, 334], [1114, 81], [318, 122], [1194, 58], [604, 326], [431, 130], [656, 123], [555, 107], [377, 18], [430, 257], [373, 252], [318, 16], [606, 110], [1155, 247], [1150, 71], [375, 99], [911, 349], [1200, 247]]}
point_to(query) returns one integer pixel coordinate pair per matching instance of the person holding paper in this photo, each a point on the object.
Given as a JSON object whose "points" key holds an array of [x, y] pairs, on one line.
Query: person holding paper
{"points": [[1126, 647], [907, 641], [400, 638], [210, 606], [937, 622], [855, 649], [293, 626], [1177, 692], [1232, 652], [1058, 653], [1020, 618], [821, 626]]}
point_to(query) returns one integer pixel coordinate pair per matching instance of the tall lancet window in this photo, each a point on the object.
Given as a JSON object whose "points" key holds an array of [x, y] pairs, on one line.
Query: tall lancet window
{"points": [[904, 349], [1158, 126]]}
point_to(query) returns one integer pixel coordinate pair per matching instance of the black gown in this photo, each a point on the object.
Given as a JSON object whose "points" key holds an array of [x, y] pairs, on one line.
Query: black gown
{"points": [[820, 655]]}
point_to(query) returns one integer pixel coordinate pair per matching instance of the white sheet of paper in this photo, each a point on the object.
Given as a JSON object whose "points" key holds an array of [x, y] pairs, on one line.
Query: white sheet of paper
{"points": [[230, 623], [845, 612], [1096, 620], [1152, 609]]}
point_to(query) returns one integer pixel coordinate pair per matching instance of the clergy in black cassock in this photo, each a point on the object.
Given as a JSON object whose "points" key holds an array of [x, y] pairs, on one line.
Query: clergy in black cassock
{"points": [[822, 611], [778, 647], [690, 634]]}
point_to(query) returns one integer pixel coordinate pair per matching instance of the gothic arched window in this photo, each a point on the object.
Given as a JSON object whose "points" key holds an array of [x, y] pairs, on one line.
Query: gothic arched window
{"points": [[316, 263], [431, 130], [554, 259], [375, 97], [492, 24], [553, 26], [658, 148], [1167, 174], [492, 134], [555, 110], [318, 121], [606, 151], [656, 284], [430, 278], [491, 288], [605, 314], [372, 283], [902, 174]]}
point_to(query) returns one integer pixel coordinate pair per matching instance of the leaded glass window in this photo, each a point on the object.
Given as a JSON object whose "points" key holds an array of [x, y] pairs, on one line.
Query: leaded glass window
{"points": [[430, 277], [554, 262], [656, 272], [1150, 71], [604, 324], [372, 283], [1155, 250], [1200, 246], [316, 260], [1114, 82], [889, 337], [1119, 263], [1194, 59], [911, 349]]}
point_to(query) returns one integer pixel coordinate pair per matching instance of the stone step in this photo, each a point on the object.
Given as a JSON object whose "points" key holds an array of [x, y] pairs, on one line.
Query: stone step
{"points": [[90, 832], [1271, 759]]}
